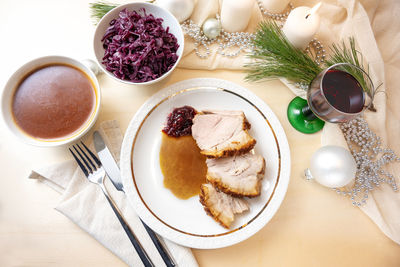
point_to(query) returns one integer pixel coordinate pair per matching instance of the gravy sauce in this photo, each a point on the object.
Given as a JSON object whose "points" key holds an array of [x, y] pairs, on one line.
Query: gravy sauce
{"points": [[182, 165], [53, 101]]}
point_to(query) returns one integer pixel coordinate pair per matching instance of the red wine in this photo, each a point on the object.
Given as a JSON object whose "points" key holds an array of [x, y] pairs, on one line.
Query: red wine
{"points": [[343, 91]]}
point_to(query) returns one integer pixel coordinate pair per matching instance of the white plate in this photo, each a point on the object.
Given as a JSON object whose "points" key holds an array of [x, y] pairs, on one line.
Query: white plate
{"points": [[185, 221]]}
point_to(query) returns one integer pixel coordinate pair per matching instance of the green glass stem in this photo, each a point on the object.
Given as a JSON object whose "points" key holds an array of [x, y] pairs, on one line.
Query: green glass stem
{"points": [[308, 114], [302, 118]]}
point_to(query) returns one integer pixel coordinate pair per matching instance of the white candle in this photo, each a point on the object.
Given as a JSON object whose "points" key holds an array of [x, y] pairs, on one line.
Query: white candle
{"points": [[301, 26], [274, 6], [235, 14]]}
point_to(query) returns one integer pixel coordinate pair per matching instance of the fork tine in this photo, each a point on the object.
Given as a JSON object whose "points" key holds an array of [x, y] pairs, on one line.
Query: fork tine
{"points": [[89, 169], [79, 163], [91, 154], [87, 157]]}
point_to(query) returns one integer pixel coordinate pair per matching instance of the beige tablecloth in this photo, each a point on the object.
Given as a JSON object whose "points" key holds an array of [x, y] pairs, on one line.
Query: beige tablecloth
{"points": [[375, 26], [313, 226]]}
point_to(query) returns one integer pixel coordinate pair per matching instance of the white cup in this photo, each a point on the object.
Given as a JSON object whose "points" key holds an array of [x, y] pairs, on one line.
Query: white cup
{"points": [[20, 74]]}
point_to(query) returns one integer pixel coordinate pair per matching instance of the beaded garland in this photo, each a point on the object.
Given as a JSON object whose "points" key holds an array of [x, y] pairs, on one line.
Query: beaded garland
{"points": [[366, 148], [316, 49], [275, 16], [225, 41]]}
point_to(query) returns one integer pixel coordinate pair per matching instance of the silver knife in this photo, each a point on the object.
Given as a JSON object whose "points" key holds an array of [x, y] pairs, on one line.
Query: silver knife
{"points": [[113, 172], [108, 161]]}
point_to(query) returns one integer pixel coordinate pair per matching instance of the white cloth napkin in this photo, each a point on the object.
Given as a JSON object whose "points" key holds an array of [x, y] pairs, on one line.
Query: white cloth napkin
{"points": [[85, 204], [375, 27]]}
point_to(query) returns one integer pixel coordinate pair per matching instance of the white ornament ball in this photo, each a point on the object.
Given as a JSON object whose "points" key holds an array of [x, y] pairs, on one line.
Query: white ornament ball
{"points": [[211, 28], [333, 166], [181, 9]]}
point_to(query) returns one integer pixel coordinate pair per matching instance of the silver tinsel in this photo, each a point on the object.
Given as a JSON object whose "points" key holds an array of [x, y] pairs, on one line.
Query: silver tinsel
{"points": [[370, 157], [276, 16], [316, 50], [229, 44]]}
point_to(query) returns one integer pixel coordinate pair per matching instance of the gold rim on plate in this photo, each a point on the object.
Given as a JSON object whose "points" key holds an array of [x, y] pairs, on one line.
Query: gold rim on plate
{"points": [[193, 89]]}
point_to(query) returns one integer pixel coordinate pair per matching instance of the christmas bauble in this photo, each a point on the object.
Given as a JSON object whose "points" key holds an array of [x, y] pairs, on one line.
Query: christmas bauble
{"points": [[333, 166], [211, 28], [181, 9]]}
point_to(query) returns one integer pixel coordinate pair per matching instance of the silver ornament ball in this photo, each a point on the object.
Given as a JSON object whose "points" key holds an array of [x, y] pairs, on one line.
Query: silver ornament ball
{"points": [[211, 28], [333, 166]]}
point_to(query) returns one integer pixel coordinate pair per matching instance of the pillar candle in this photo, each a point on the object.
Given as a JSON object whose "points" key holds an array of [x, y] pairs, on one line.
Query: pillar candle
{"points": [[236, 14], [274, 6], [301, 26]]}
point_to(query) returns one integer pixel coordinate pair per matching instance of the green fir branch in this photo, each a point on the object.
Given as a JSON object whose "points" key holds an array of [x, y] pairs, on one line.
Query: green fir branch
{"points": [[99, 9], [274, 57]]}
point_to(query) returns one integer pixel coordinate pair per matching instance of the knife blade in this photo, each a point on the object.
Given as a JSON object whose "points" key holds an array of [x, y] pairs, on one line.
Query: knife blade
{"points": [[113, 172], [108, 161]]}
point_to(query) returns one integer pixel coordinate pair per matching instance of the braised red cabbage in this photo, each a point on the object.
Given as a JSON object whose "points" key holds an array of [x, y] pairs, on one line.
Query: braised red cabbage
{"points": [[138, 48]]}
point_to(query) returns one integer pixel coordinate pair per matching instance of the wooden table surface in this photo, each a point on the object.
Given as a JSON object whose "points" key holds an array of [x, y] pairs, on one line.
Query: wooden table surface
{"points": [[313, 227]]}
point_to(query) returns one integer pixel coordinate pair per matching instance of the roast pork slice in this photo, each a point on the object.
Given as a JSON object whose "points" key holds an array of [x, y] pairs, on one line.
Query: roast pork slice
{"points": [[222, 133], [220, 206], [239, 176]]}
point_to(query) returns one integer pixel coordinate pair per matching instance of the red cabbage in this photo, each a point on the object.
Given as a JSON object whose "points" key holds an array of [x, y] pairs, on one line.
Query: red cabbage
{"points": [[138, 48]]}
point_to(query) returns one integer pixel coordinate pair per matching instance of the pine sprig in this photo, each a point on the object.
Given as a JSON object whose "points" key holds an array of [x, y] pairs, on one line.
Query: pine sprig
{"points": [[99, 9], [274, 57]]}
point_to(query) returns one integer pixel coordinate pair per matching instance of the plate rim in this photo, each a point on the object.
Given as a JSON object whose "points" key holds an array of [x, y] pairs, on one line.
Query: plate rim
{"points": [[195, 241]]}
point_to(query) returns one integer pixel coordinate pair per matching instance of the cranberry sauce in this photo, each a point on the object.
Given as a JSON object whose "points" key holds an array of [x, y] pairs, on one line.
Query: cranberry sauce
{"points": [[180, 121]]}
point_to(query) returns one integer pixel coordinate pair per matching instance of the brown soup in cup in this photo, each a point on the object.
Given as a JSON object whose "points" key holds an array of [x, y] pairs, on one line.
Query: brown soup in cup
{"points": [[51, 101]]}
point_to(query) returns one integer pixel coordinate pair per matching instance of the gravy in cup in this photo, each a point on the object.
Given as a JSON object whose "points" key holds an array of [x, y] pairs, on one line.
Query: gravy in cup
{"points": [[52, 102]]}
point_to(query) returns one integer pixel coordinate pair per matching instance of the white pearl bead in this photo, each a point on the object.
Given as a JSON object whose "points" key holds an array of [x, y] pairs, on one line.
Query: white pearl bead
{"points": [[211, 28], [333, 166]]}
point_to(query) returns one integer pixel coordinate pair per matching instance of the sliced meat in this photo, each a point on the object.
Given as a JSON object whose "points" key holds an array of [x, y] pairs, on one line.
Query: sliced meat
{"points": [[239, 176], [220, 206], [222, 133]]}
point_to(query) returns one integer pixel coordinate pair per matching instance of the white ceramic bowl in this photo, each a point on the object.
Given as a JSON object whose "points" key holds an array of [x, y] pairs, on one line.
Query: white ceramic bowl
{"points": [[15, 79], [168, 21]]}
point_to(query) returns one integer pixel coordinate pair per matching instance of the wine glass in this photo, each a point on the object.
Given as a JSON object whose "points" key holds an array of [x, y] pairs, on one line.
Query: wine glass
{"points": [[337, 94]]}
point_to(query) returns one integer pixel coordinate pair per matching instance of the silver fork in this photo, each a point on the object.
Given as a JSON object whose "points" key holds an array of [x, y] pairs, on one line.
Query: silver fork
{"points": [[93, 170]]}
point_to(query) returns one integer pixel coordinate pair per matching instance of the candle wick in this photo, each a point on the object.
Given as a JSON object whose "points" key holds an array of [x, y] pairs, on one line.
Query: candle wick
{"points": [[307, 16]]}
